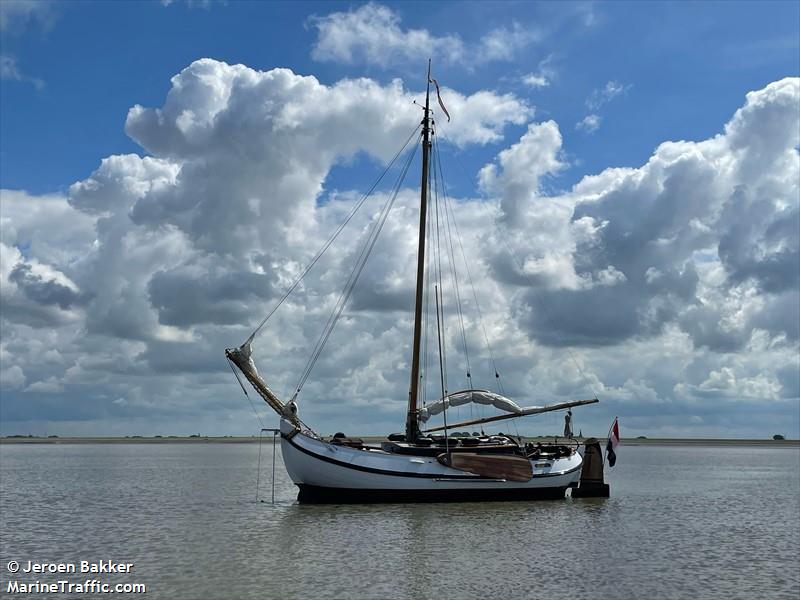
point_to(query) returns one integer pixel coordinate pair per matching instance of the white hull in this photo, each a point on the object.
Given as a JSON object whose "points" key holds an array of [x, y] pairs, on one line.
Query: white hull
{"points": [[326, 472]]}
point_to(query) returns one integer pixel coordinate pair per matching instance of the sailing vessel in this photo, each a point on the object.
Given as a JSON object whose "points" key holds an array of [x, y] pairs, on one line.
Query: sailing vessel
{"points": [[422, 464]]}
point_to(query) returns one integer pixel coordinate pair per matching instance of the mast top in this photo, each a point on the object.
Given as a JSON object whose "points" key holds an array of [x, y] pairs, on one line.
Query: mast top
{"points": [[425, 120]]}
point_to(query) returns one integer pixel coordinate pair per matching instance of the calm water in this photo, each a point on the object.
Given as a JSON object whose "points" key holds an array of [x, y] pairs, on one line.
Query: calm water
{"points": [[681, 523]]}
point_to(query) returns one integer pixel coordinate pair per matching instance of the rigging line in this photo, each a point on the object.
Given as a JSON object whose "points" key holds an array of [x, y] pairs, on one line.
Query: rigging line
{"points": [[525, 274], [514, 423], [453, 268], [474, 292], [336, 233], [430, 279], [250, 400], [350, 284], [346, 296], [426, 307], [337, 308], [430, 283], [448, 246], [440, 308], [437, 292], [258, 476], [372, 238]]}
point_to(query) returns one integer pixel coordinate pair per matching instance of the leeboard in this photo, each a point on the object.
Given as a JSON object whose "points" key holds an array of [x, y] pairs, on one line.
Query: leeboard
{"points": [[511, 468]]}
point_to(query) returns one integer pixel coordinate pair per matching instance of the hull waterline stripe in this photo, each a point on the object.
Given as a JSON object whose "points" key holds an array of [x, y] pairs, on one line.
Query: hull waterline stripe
{"points": [[310, 494], [405, 474]]}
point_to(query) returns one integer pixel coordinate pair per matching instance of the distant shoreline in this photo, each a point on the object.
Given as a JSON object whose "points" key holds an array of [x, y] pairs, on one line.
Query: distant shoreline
{"points": [[374, 439]]}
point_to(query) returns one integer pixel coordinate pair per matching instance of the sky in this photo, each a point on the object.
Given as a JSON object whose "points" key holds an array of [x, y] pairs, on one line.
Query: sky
{"points": [[625, 179]]}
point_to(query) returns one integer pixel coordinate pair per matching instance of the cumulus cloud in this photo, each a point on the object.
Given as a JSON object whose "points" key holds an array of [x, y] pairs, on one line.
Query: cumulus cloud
{"points": [[673, 282], [12, 378], [199, 293], [154, 263], [34, 293], [481, 116], [704, 235], [219, 117], [690, 259], [47, 225], [519, 170], [373, 34], [44, 287]]}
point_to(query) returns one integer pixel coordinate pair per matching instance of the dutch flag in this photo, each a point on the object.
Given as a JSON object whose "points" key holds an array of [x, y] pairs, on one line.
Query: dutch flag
{"points": [[613, 442]]}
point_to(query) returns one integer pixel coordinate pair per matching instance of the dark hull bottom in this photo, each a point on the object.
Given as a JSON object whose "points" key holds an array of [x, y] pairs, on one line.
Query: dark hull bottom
{"points": [[311, 494]]}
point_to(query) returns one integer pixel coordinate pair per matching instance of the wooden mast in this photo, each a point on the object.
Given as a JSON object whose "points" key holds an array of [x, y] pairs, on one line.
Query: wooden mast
{"points": [[412, 426]]}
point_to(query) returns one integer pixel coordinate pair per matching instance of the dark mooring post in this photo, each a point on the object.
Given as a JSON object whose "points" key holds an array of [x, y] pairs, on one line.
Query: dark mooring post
{"points": [[592, 484]]}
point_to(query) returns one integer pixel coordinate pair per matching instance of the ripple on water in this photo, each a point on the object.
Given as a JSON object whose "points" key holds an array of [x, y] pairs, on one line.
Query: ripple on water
{"points": [[681, 523]]}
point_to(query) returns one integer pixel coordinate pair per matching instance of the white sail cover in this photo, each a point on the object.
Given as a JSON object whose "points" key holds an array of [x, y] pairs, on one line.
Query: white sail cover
{"points": [[243, 357], [465, 397]]}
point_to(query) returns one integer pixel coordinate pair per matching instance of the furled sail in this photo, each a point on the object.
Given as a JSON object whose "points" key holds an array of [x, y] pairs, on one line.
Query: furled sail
{"points": [[523, 412], [242, 357], [465, 397]]}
